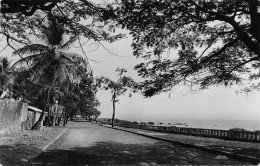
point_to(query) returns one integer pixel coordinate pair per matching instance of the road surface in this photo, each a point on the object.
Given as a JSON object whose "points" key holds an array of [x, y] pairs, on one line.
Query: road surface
{"points": [[89, 144]]}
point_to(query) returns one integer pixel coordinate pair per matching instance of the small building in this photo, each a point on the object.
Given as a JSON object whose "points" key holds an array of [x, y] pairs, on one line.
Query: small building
{"points": [[31, 117]]}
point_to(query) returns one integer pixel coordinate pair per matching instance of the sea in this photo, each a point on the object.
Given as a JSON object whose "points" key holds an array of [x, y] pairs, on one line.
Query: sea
{"points": [[226, 124]]}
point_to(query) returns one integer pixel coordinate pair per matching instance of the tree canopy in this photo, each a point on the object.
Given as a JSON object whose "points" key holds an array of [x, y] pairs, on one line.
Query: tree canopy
{"points": [[118, 87], [81, 98], [193, 42], [27, 7], [46, 62], [80, 18]]}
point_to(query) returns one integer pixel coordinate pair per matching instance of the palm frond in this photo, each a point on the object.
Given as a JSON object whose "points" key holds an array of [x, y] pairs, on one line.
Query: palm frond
{"points": [[38, 70], [32, 49], [74, 75], [76, 58], [31, 58], [65, 86], [62, 74], [72, 72], [72, 56]]}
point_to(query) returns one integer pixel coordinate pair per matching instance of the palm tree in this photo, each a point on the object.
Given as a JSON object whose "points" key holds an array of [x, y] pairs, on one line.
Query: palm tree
{"points": [[6, 76], [49, 64]]}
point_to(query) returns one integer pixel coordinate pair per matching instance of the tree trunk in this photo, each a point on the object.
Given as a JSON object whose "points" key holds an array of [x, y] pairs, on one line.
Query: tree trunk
{"points": [[64, 119], [66, 116], [37, 125], [113, 116]]}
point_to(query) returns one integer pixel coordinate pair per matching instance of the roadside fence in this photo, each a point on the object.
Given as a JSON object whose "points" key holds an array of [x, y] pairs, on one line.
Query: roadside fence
{"points": [[246, 136]]}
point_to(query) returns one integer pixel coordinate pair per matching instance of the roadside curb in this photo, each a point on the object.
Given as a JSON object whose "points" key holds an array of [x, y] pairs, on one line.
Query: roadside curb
{"points": [[46, 146], [250, 159]]}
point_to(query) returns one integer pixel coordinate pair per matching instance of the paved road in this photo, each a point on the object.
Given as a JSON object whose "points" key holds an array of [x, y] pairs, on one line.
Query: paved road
{"points": [[89, 144]]}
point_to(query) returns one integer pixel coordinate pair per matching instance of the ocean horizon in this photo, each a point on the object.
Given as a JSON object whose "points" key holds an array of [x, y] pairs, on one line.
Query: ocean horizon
{"points": [[225, 124], [222, 124]]}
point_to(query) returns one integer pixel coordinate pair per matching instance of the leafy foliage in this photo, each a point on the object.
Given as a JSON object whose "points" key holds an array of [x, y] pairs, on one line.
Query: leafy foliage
{"points": [[193, 42], [25, 88], [49, 67], [36, 94], [118, 87], [82, 97], [81, 18], [91, 112], [27, 7], [48, 64]]}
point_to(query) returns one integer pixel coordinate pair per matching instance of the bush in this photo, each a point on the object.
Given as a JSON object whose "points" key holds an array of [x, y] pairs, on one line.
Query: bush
{"points": [[237, 129]]}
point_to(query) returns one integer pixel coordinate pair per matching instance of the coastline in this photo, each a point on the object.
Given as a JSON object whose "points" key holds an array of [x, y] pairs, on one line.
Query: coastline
{"points": [[220, 124]]}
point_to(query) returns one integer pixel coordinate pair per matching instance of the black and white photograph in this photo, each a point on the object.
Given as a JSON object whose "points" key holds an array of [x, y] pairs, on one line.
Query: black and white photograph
{"points": [[129, 82]]}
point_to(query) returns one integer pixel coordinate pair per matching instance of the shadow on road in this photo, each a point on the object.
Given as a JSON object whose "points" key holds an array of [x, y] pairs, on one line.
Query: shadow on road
{"points": [[18, 154], [114, 153]]}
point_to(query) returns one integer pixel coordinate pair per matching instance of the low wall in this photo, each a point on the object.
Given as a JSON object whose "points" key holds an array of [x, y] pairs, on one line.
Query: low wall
{"points": [[223, 134], [11, 112]]}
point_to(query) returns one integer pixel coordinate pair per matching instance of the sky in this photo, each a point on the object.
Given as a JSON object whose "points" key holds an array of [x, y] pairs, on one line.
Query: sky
{"points": [[216, 102]]}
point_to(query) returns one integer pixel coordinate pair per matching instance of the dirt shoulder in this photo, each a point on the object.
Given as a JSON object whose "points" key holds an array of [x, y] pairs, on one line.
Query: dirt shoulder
{"points": [[21, 148]]}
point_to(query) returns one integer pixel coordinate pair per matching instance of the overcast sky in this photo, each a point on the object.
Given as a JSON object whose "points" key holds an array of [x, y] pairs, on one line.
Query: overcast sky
{"points": [[217, 102]]}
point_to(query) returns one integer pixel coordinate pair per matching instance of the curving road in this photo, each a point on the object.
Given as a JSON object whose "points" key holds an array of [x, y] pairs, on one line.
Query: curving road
{"points": [[85, 143]]}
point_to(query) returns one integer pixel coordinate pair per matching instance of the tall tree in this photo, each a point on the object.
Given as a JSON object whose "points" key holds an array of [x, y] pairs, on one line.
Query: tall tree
{"points": [[118, 87], [195, 42], [49, 65]]}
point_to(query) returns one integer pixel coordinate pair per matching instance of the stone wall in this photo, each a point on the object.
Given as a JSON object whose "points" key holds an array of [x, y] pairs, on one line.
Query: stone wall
{"points": [[12, 112], [246, 136]]}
